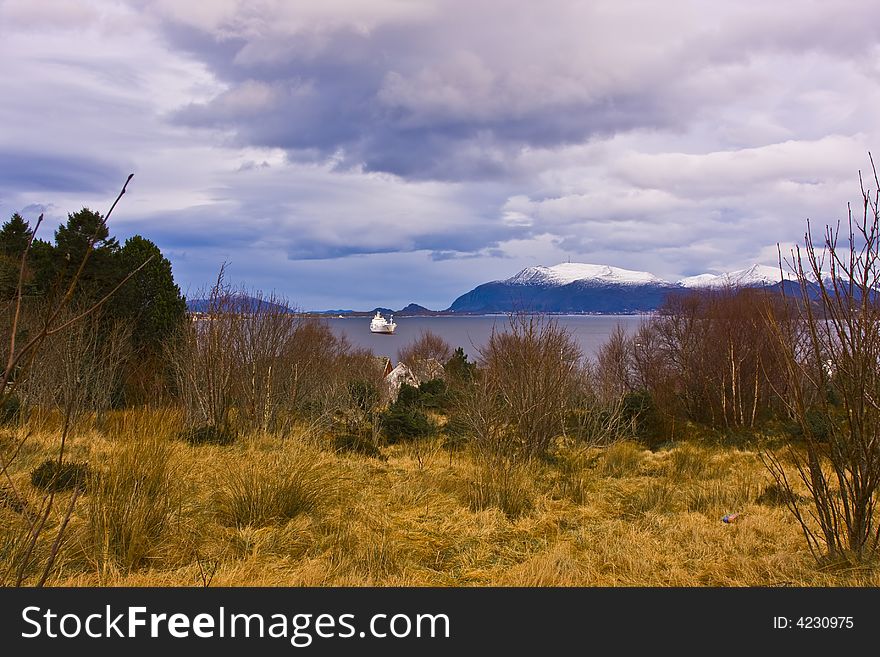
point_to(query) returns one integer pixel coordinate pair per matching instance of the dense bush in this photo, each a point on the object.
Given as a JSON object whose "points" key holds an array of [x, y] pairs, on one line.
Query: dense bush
{"points": [[706, 356], [364, 394], [458, 369], [405, 419], [401, 422], [531, 372], [819, 426], [434, 395], [53, 476], [408, 396], [640, 414]]}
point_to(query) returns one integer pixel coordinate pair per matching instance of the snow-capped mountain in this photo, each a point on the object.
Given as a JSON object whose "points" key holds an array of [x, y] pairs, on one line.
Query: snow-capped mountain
{"points": [[570, 272], [754, 276], [574, 287], [569, 287]]}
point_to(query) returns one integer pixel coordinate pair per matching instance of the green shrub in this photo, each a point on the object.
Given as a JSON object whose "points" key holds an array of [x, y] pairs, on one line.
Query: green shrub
{"points": [[401, 423], [405, 419], [640, 412], [458, 369], [819, 426], [408, 396], [434, 395], [53, 476]]}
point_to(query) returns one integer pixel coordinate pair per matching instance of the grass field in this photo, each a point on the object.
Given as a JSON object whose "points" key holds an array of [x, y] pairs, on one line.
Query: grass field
{"points": [[289, 511]]}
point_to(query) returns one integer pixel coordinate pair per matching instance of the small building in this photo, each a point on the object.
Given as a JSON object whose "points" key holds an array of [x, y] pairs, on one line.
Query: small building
{"points": [[396, 378]]}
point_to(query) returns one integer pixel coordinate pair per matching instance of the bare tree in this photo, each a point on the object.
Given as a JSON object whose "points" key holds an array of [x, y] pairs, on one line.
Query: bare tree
{"points": [[77, 371], [594, 415], [530, 372], [263, 339], [832, 358], [612, 371], [204, 365], [426, 355]]}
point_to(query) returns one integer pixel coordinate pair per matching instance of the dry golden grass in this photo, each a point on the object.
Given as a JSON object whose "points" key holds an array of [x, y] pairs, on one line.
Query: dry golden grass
{"points": [[291, 512]]}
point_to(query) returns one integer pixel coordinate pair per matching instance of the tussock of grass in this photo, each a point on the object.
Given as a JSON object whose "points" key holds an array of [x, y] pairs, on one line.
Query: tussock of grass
{"points": [[263, 489], [505, 486], [688, 462], [575, 473], [53, 476], [650, 497], [773, 495], [557, 566], [132, 504], [621, 459], [717, 498]]}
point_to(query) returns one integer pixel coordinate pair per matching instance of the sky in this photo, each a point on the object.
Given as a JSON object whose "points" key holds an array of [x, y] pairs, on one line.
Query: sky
{"points": [[354, 153]]}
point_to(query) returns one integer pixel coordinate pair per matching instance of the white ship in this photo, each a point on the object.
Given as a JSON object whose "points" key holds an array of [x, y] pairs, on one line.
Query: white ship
{"points": [[381, 325]]}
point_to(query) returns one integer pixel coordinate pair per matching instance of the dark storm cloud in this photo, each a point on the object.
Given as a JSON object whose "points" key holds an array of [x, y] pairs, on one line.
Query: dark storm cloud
{"points": [[366, 99], [456, 98]]}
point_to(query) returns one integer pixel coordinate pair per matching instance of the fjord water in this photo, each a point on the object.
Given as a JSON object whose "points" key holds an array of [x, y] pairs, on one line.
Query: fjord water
{"points": [[472, 332]]}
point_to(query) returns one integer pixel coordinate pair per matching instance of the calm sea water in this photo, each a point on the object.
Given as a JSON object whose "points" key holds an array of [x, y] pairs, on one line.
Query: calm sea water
{"points": [[470, 333]]}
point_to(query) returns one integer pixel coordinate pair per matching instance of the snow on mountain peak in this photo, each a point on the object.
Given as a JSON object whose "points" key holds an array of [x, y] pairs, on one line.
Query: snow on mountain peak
{"points": [[754, 276], [569, 272]]}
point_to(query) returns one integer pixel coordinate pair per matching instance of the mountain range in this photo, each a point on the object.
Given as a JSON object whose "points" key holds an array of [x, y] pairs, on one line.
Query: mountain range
{"points": [[569, 287], [602, 289]]}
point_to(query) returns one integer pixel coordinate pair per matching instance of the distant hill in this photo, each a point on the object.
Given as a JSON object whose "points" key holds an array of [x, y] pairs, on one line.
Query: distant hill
{"points": [[414, 309], [411, 310], [239, 302]]}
